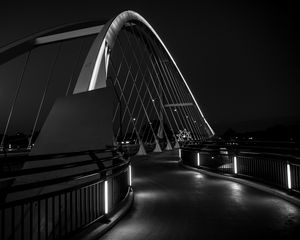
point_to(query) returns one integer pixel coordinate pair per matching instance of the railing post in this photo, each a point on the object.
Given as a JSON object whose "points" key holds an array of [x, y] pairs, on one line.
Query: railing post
{"points": [[289, 180]]}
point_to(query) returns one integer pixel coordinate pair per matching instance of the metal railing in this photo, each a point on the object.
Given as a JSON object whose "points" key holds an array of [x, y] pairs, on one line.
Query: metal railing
{"points": [[279, 170], [66, 193]]}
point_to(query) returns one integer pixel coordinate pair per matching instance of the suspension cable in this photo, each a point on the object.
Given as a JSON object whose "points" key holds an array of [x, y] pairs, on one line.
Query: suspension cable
{"points": [[44, 94], [15, 99]]}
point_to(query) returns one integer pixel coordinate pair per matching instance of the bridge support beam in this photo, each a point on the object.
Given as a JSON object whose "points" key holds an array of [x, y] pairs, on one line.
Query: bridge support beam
{"points": [[169, 146], [142, 150], [176, 146], [157, 146]]}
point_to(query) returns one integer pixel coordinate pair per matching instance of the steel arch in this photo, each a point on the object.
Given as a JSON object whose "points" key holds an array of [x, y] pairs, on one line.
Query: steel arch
{"points": [[93, 74]]}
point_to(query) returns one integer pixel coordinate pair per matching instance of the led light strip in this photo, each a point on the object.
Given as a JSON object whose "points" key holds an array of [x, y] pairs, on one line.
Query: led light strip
{"points": [[288, 167], [130, 176], [105, 197], [235, 165], [198, 159]]}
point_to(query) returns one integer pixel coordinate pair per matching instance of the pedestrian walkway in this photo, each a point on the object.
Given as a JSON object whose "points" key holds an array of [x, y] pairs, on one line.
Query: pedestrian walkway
{"points": [[172, 202]]}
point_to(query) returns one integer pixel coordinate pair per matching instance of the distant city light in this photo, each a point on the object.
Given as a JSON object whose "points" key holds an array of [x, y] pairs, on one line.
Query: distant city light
{"points": [[223, 151], [133, 119]]}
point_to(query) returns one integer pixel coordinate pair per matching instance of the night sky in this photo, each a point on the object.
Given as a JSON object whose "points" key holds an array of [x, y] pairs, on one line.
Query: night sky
{"points": [[240, 60]]}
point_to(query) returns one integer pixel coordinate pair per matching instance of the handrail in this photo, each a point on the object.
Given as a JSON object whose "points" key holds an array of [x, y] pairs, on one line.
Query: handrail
{"points": [[29, 171], [23, 172], [260, 155], [73, 177], [63, 210], [239, 150], [44, 195], [58, 155], [280, 170]]}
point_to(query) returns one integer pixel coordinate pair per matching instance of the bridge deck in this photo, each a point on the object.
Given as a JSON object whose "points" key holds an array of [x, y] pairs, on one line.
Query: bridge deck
{"points": [[174, 203]]}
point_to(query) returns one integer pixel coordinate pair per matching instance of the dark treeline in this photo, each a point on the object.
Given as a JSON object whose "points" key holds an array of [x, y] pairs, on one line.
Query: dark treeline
{"points": [[290, 133]]}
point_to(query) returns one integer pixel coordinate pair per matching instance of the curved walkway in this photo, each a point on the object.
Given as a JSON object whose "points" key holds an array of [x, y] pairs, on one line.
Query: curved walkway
{"points": [[174, 203]]}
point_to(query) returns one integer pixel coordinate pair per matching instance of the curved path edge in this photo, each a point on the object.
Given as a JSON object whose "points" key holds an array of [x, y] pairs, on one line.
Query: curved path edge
{"points": [[256, 185]]}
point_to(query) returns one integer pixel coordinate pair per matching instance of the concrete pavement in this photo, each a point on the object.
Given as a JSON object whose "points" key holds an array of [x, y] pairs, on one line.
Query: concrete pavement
{"points": [[172, 202]]}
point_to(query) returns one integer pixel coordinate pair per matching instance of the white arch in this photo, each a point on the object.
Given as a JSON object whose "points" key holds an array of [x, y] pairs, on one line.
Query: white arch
{"points": [[93, 74]]}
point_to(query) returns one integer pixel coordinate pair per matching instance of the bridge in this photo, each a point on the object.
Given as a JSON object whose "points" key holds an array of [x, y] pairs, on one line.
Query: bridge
{"points": [[99, 123]]}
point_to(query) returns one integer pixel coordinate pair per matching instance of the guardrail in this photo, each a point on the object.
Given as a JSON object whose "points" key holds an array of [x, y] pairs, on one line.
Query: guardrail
{"points": [[73, 190], [281, 171]]}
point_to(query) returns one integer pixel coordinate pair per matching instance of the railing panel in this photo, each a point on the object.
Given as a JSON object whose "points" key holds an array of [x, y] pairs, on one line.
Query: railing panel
{"points": [[266, 168], [60, 213], [295, 177]]}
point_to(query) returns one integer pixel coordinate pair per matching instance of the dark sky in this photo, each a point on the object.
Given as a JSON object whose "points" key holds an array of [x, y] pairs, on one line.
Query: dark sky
{"points": [[239, 59]]}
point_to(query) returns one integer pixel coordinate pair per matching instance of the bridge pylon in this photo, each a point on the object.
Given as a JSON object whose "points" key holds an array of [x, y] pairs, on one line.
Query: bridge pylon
{"points": [[142, 150]]}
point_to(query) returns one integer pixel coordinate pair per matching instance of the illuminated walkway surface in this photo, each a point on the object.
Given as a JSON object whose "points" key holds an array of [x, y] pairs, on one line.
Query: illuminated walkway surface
{"points": [[174, 203]]}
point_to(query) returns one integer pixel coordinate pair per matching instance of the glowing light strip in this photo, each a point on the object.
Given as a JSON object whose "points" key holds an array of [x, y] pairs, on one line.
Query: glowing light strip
{"points": [[107, 54], [198, 159], [235, 165], [289, 176], [130, 181], [105, 197], [179, 152], [97, 67]]}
